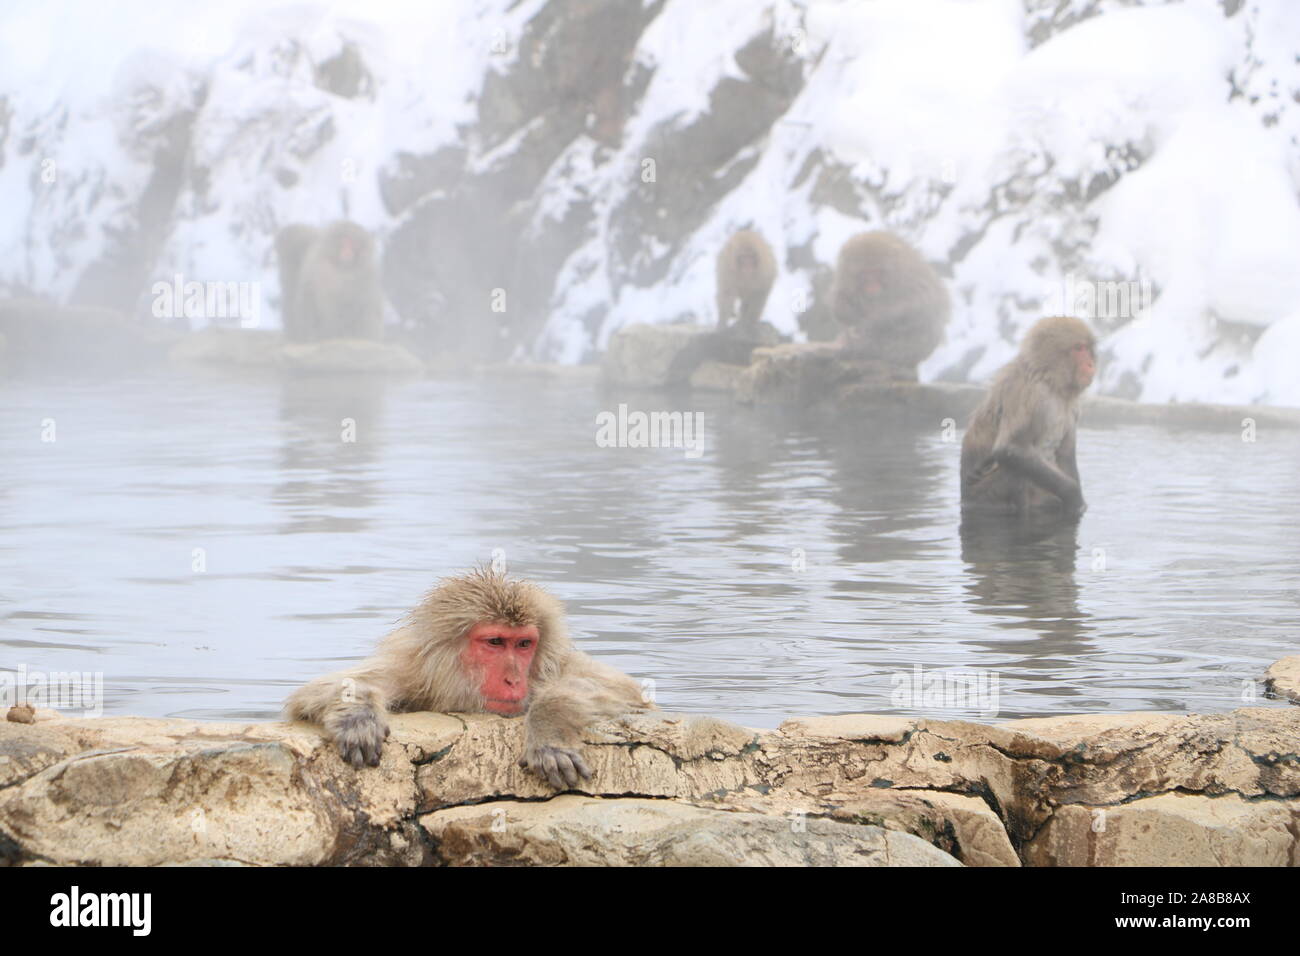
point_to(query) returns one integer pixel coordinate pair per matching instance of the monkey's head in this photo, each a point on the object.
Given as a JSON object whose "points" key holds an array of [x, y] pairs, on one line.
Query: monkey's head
{"points": [[879, 264], [1063, 350], [504, 633]]}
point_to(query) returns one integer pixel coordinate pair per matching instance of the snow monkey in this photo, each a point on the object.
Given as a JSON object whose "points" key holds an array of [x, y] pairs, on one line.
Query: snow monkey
{"points": [[480, 642], [891, 304], [746, 270], [1018, 452], [329, 283]]}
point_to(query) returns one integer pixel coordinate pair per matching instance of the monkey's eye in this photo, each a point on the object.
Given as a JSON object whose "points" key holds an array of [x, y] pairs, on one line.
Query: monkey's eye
{"points": [[497, 641], [526, 642]]}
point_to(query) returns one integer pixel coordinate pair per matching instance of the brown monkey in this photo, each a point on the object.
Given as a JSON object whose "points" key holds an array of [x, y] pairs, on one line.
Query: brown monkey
{"points": [[746, 271], [891, 303], [329, 283], [480, 642], [1018, 455]]}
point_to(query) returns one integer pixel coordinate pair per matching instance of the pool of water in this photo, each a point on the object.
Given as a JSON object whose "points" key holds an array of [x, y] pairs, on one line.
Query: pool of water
{"points": [[207, 542]]}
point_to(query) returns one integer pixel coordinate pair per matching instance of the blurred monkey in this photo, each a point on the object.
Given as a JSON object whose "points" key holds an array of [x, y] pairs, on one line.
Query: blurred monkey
{"points": [[329, 283], [746, 270], [892, 305]]}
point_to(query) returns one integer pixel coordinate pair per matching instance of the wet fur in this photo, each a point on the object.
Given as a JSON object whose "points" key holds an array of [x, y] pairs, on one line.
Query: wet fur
{"points": [[1018, 454]]}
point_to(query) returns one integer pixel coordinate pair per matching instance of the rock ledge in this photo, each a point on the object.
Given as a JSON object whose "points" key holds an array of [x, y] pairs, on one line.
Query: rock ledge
{"points": [[868, 790]]}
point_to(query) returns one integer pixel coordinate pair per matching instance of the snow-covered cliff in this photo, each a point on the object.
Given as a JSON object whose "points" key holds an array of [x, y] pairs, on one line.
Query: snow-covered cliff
{"points": [[1138, 163]]}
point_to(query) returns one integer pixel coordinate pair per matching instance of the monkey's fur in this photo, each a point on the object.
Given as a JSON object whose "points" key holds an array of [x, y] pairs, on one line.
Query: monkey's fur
{"points": [[903, 321], [418, 667], [322, 297], [1018, 454], [746, 270]]}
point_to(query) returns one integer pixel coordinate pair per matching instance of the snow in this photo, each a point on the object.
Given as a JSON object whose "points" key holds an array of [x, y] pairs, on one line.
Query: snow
{"points": [[975, 147]]}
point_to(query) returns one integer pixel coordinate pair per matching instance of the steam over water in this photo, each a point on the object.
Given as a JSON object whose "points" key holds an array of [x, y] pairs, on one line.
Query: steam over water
{"points": [[1177, 590]]}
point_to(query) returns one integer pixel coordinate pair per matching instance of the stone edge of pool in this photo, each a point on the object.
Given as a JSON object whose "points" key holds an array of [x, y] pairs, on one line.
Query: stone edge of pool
{"points": [[857, 790]]}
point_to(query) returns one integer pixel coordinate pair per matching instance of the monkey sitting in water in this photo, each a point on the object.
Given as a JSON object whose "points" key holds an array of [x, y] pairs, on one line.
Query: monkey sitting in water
{"points": [[329, 283], [478, 643], [1018, 455]]}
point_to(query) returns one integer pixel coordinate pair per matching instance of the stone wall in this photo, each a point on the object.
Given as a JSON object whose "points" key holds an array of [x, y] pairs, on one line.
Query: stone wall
{"points": [[1154, 789]]}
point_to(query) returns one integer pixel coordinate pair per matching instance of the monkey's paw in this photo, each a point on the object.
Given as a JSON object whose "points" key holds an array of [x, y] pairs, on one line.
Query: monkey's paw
{"points": [[559, 766], [360, 738]]}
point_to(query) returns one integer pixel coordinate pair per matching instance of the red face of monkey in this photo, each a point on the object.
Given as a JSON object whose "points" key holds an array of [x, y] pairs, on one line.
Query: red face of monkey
{"points": [[345, 251], [500, 656], [1085, 364], [871, 282]]}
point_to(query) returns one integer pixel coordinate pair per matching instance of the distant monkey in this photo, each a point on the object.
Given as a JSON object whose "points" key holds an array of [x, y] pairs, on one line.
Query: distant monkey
{"points": [[480, 642], [892, 305], [1018, 455], [329, 283], [746, 270]]}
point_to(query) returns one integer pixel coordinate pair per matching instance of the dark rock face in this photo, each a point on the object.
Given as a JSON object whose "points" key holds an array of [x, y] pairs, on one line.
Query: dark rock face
{"points": [[573, 83]]}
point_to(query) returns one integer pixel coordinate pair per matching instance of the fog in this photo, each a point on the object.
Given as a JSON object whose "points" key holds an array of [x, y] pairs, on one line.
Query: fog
{"points": [[206, 505]]}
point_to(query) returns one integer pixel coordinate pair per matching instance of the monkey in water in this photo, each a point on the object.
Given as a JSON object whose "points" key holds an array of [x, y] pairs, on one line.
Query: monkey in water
{"points": [[329, 283], [478, 643], [746, 271], [891, 304], [1018, 454]]}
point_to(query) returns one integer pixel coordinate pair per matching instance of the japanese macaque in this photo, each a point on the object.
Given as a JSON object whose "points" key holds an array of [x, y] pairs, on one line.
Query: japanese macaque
{"points": [[329, 283], [1018, 455], [480, 642], [892, 305], [746, 271]]}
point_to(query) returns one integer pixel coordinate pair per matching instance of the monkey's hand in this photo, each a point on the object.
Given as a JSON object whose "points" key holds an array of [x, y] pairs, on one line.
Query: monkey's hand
{"points": [[360, 736], [560, 766]]}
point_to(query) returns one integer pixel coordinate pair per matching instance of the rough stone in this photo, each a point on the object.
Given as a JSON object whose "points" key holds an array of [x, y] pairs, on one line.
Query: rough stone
{"points": [[1200, 789], [228, 347], [1283, 679], [642, 356], [588, 831], [716, 377], [964, 826], [131, 791], [1173, 829], [806, 374]]}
